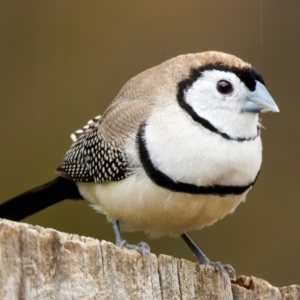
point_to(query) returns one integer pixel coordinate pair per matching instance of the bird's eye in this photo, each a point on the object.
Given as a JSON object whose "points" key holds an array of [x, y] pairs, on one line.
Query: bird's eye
{"points": [[224, 87]]}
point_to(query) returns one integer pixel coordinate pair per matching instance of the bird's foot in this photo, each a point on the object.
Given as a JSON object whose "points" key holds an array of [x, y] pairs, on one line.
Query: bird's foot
{"points": [[141, 247], [202, 259], [224, 270]]}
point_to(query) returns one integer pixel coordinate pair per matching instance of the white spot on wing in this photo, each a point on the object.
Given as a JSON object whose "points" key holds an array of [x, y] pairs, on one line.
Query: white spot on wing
{"points": [[73, 137]]}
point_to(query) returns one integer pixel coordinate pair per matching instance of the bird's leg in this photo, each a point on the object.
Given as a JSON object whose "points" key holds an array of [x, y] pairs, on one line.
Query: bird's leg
{"points": [[203, 260], [141, 247]]}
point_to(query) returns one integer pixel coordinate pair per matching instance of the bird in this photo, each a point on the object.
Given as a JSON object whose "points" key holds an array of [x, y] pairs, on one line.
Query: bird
{"points": [[178, 149]]}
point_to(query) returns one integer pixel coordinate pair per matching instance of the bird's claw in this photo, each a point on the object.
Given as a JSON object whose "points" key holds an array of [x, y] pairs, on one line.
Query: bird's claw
{"points": [[230, 270], [224, 270], [141, 247]]}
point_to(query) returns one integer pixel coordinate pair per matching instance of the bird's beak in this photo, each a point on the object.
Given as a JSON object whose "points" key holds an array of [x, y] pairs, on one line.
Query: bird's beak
{"points": [[259, 101]]}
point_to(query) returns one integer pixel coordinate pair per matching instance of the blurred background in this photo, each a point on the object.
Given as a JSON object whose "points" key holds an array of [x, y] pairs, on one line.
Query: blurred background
{"points": [[63, 62]]}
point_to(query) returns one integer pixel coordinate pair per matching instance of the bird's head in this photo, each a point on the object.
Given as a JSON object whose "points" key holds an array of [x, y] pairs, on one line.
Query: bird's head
{"points": [[225, 91]]}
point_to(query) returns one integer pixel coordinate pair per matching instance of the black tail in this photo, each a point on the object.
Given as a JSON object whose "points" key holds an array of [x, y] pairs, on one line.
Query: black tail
{"points": [[39, 198]]}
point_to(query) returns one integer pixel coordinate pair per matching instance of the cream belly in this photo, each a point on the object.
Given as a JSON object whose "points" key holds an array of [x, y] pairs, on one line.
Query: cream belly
{"points": [[140, 205]]}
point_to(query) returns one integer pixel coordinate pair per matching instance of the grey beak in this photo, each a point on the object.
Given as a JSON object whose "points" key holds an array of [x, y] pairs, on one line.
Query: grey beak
{"points": [[259, 101]]}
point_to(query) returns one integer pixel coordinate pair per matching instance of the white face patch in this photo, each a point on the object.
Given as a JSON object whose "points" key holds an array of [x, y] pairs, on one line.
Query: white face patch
{"points": [[223, 111]]}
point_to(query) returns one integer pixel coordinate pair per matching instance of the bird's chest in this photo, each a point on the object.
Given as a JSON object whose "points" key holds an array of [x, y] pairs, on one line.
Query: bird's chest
{"points": [[195, 155]]}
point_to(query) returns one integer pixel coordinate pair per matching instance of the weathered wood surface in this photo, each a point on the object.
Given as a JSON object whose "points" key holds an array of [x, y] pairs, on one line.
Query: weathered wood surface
{"points": [[39, 263]]}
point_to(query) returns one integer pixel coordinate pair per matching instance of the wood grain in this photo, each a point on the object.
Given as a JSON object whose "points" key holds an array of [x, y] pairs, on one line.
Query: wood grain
{"points": [[39, 263]]}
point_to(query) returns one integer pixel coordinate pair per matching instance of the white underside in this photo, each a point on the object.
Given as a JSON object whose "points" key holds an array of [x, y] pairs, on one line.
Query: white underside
{"points": [[140, 205]]}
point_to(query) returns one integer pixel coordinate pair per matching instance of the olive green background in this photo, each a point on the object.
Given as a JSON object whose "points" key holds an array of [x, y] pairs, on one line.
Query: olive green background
{"points": [[63, 61]]}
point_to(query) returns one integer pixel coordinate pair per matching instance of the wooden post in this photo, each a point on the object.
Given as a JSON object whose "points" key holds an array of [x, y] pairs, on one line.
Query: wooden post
{"points": [[39, 263]]}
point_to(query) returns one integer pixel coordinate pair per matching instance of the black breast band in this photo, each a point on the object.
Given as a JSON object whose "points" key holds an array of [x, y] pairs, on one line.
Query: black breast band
{"points": [[165, 181]]}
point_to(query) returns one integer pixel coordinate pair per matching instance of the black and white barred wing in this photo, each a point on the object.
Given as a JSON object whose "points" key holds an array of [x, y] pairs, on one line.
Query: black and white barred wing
{"points": [[91, 158]]}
